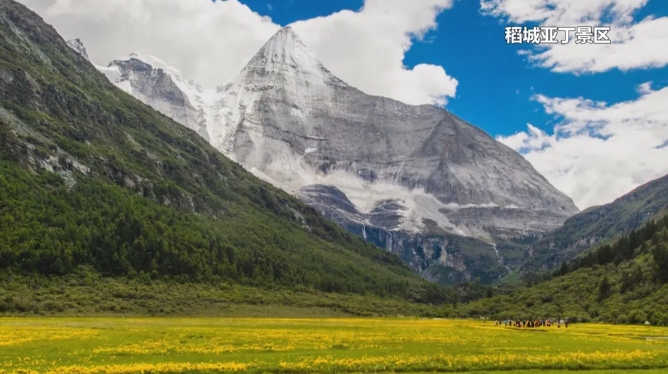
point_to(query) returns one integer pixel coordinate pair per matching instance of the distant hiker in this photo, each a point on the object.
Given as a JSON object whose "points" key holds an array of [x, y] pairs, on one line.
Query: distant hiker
{"points": [[566, 323]]}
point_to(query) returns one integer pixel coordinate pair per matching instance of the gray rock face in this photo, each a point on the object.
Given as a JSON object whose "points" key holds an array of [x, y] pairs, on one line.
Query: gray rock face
{"points": [[79, 47], [294, 117], [435, 254], [416, 180], [157, 88]]}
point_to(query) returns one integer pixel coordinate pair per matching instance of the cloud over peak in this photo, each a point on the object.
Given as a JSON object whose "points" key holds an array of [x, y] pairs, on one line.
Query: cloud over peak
{"points": [[212, 41]]}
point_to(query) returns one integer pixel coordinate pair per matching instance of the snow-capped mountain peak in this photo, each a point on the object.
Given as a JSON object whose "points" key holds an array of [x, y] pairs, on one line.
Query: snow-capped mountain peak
{"points": [[375, 165], [154, 82], [153, 62], [79, 47], [285, 51], [286, 67]]}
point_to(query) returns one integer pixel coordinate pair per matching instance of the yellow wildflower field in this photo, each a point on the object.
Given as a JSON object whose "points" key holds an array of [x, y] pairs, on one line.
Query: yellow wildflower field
{"points": [[101, 345]]}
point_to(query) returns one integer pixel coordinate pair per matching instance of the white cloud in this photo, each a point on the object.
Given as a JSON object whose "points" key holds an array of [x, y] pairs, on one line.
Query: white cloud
{"points": [[370, 45], [599, 152], [534, 139], [211, 42], [635, 44], [644, 88]]}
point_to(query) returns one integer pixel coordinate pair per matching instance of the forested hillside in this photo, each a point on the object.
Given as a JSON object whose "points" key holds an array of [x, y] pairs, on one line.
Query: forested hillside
{"points": [[597, 225], [92, 179], [623, 282]]}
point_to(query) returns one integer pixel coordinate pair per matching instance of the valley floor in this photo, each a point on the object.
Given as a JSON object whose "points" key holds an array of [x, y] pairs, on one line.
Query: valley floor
{"points": [[326, 345]]}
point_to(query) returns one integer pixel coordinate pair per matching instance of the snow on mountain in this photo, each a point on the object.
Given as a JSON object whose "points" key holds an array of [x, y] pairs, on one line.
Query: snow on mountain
{"points": [[297, 125], [388, 171], [79, 47], [302, 78]]}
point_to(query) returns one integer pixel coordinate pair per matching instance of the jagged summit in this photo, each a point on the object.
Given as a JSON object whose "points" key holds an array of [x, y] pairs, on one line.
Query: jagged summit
{"points": [[285, 53], [154, 82], [283, 67], [285, 47], [150, 60], [79, 47]]}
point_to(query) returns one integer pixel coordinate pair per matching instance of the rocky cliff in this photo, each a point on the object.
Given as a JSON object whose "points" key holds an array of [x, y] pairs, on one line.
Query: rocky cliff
{"points": [[405, 177]]}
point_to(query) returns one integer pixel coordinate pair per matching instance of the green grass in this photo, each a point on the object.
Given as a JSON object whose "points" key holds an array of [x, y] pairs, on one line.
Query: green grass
{"points": [[116, 345], [88, 295]]}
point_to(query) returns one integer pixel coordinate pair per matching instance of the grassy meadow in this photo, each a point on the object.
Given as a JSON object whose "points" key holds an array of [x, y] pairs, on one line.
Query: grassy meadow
{"points": [[170, 345]]}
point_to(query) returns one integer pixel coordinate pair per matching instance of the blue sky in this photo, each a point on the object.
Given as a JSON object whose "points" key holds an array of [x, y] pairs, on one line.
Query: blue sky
{"points": [[495, 82]]}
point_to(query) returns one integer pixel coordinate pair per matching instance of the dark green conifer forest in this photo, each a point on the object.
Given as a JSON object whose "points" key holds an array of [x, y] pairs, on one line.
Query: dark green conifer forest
{"points": [[625, 281]]}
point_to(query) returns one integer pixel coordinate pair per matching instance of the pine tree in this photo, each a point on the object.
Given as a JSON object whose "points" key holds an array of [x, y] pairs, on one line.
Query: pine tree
{"points": [[604, 289], [660, 254]]}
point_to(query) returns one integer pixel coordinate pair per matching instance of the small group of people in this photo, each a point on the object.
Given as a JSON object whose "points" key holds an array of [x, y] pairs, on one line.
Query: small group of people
{"points": [[531, 323]]}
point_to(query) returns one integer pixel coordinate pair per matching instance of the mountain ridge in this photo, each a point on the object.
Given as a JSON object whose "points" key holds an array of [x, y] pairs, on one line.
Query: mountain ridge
{"points": [[289, 121], [597, 225]]}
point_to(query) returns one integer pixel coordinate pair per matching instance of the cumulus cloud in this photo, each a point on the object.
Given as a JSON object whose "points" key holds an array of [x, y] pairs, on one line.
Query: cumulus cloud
{"points": [[634, 44], [382, 32], [598, 151], [212, 41]]}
